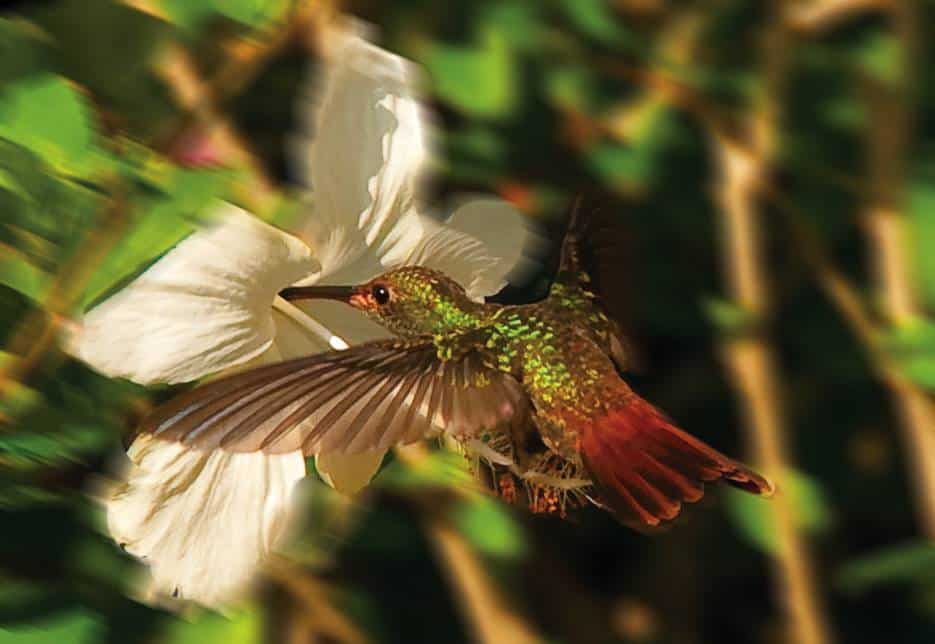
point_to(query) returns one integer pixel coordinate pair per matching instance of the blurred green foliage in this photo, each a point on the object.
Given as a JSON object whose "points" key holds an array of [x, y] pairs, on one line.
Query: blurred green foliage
{"points": [[538, 101]]}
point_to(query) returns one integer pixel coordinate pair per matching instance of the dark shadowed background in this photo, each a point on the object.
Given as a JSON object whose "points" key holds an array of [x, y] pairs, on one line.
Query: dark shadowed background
{"points": [[773, 169]]}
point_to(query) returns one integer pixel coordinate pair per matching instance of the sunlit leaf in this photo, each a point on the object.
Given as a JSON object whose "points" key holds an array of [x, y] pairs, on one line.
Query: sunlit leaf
{"points": [[488, 526], [244, 627], [438, 468], [912, 346], [479, 80], [48, 116], [881, 57], [753, 515]]}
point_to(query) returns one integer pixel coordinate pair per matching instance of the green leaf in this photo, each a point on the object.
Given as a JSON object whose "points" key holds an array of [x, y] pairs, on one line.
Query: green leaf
{"points": [[480, 80], [571, 87], [623, 167], [74, 627], [244, 627], [635, 165], [187, 15], [754, 516], [475, 154], [880, 56], [252, 13], [72, 443], [522, 22], [17, 272], [906, 563], [439, 468], [46, 115], [595, 19], [487, 524], [912, 346], [727, 316], [922, 223], [165, 220], [109, 48]]}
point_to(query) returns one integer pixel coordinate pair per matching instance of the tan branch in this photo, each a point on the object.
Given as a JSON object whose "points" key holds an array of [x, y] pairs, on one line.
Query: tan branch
{"points": [[745, 166], [888, 241], [752, 367], [816, 16]]}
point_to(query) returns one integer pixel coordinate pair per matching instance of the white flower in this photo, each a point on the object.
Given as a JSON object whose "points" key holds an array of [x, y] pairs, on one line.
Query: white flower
{"points": [[204, 520]]}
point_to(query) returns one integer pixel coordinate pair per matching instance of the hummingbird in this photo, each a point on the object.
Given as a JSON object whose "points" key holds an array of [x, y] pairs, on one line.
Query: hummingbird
{"points": [[536, 389]]}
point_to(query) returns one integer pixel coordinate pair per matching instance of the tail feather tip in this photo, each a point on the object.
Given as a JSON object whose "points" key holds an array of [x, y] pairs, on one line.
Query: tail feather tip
{"points": [[646, 468]]}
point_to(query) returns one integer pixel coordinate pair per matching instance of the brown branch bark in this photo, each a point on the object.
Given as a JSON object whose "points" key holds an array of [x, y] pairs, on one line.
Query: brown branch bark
{"points": [[744, 167]]}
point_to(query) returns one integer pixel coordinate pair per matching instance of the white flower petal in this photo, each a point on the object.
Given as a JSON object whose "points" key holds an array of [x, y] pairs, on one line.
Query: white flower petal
{"points": [[203, 307], [506, 235], [348, 473], [202, 521], [478, 247], [362, 150]]}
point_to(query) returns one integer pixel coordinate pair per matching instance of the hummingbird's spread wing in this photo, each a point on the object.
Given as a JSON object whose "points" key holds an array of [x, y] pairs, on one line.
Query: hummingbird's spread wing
{"points": [[593, 258], [371, 396]]}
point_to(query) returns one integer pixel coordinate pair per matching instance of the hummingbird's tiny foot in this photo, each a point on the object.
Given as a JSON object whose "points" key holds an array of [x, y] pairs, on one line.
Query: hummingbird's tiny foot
{"points": [[550, 481], [490, 454]]}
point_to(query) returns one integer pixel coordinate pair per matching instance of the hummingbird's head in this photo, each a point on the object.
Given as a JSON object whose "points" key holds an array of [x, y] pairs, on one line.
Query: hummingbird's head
{"points": [[409, 301]]}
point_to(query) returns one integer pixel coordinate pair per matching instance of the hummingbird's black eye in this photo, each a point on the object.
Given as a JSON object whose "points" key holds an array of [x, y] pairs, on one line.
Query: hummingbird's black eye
{"points": [[381, 294]]}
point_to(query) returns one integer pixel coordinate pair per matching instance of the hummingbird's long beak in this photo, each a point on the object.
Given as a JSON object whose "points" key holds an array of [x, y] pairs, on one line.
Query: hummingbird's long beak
{"points": [[339, 293]]}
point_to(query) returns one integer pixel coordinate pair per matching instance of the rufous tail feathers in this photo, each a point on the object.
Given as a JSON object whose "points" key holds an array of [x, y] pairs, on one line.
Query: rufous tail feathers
{"points": [[645, 468]]}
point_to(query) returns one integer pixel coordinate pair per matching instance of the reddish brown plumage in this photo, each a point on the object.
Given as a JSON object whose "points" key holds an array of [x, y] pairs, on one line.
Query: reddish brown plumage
{"points": [[645, 467]]}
